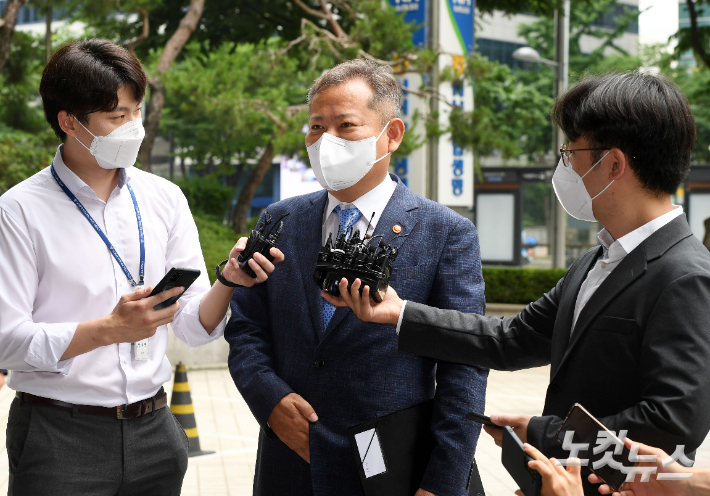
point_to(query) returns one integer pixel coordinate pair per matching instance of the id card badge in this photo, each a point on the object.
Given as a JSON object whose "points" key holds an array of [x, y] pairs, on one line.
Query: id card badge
{"points": [[140, 349]]}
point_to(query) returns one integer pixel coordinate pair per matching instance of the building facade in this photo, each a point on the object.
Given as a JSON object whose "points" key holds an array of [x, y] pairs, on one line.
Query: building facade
{"points": [[497, 35]]}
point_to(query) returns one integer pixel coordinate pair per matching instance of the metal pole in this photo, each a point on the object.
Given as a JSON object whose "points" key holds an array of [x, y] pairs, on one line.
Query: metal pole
{"points": [[559, 217], [433, 152]]}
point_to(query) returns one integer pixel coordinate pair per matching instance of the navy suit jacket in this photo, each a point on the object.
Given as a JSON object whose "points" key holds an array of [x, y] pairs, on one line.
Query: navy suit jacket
{"points": [[352, 371]]}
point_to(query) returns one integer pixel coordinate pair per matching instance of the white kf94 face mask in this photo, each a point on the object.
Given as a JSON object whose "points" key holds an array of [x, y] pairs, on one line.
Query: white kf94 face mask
{"points": [[119, 148], [338, 163], [572, 193]]}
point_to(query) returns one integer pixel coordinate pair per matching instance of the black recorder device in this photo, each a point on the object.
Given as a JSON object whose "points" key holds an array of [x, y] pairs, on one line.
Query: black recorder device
{"points": [[353, 258], [261, 242]]}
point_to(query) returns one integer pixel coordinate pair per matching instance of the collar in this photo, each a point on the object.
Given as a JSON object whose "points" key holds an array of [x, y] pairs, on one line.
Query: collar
{"points": [[628, 242], [374, 200], [74, 182]]}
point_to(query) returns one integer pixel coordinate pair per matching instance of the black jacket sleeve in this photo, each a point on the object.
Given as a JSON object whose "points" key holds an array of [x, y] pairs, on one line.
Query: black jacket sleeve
{"points": [[511, 343]]}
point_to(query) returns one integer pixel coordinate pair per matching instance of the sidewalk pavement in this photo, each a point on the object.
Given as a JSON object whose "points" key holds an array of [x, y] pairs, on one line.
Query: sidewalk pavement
{"points": [[227, 426]]}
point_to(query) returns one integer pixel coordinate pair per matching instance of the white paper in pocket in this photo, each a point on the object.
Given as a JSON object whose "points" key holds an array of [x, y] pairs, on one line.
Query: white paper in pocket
{"points": [[373, 461]]}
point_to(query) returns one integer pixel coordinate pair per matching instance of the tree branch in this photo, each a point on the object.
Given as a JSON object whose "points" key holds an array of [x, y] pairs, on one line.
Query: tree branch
{"points": [[310, 11], [144, 35], [332, 21], [433, 93], [695, 35], [263, 107], [187, 25], [7, 27]]}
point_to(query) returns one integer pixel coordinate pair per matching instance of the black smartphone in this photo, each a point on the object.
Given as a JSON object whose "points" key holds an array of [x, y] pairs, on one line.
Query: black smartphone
{"points": [[175, 278], [481, 419], [515, 461], [586, 430]]}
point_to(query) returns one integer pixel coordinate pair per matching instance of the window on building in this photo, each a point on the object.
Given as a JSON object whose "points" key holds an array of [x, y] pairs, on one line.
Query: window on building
{"points": [[500, 51], [30, 15], [608, 19]]}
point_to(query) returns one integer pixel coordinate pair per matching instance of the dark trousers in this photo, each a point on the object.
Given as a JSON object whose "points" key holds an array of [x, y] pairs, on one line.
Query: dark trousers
{"points": [[52, 453]]}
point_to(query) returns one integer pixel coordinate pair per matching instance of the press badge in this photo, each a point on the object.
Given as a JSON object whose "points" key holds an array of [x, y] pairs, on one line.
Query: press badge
{"points": [[140, 349]]}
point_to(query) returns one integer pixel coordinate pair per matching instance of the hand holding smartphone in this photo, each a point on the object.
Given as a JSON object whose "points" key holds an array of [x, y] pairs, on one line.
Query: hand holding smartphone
{"points": [[586, 430], [515, 461], [481, 419], [176, 277]]}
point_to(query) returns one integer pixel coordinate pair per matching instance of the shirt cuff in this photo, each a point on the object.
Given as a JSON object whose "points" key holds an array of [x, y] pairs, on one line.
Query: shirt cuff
{"points": [[188, 328], [48, 345], [401, 314]]}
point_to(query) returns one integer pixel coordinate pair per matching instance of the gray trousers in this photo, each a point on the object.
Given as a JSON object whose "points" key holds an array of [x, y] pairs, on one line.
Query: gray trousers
{"points": [[52, 453]]}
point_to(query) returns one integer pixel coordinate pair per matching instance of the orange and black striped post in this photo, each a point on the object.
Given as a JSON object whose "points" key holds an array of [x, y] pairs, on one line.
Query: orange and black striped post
{"points": [[181, 406]]}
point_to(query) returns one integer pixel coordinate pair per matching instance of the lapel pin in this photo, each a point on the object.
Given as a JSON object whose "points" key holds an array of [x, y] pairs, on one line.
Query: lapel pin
{"points": [[397, 229]]}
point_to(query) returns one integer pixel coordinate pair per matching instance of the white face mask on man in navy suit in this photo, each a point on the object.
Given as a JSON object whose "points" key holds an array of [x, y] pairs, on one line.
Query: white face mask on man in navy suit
{"points": [[339, 163]]}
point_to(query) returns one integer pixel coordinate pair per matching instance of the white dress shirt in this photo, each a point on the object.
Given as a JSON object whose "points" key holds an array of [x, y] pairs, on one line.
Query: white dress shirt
{"points": [[55, 272], [374, 200], [614, 252]]}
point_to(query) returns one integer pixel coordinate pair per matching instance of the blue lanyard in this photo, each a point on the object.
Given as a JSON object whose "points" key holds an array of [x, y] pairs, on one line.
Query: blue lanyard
{"points": [[93, 223]]}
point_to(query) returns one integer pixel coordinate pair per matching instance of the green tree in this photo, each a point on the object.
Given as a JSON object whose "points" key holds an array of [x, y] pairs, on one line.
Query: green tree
{"points": [[695, 37], [26, 142], [235, 107], [511, 107], [7, 28]]}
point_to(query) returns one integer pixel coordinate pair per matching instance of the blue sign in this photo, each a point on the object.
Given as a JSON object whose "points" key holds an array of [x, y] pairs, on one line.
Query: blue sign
{"points": [[414, 11], [461, 13]]}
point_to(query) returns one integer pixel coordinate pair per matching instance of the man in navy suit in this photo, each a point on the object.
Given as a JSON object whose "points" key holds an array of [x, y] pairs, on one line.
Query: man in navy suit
{"points": [[309, 371]]}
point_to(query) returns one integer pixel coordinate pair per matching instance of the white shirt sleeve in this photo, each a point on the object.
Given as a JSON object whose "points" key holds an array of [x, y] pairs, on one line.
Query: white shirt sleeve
{"points": [[184, 250], [401, 315], [25, 345]]}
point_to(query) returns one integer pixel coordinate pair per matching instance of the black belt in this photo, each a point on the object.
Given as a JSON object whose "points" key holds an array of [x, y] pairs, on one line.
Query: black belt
{"points": [[137, 409]]}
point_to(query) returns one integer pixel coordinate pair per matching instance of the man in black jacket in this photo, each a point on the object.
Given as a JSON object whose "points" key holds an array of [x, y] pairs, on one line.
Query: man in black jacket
{"points": [[626, 330]]}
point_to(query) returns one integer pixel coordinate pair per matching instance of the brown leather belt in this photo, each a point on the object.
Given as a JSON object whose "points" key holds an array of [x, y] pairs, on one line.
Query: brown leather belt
{"points": [[137, 409]]}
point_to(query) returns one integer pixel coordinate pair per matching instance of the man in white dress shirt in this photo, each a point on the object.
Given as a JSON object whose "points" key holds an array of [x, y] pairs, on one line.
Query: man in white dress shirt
{"points": [[81, 245]]}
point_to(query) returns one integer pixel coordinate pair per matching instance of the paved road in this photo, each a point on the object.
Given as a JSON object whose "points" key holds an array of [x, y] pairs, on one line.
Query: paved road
{"points": [[227, 427]]}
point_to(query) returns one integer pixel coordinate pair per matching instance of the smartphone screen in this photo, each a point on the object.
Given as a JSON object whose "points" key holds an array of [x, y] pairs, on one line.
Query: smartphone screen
{"points": [[586, 430]]}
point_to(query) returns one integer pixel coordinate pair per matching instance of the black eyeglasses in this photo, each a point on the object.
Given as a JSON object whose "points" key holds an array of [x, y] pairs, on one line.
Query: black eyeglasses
{"points": [[566, 152]]}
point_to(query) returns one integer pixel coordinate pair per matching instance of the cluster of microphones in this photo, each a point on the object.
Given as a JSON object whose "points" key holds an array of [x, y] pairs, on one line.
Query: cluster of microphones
{"points": [[351, 257], [261, 242]]}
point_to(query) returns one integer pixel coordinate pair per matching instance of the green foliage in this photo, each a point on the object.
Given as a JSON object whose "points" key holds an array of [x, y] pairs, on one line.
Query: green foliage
{"points": [[206, 196], [694, 82], [216, 240], [27, 145], [222, 103], [519, 285], [505, 111], [511, 107], [19, 85], [23, 154], [684, 36]]}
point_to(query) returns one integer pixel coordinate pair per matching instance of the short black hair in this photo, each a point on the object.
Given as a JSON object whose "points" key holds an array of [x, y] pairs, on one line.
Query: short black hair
{"points": [[644, 115], [84, 77]]}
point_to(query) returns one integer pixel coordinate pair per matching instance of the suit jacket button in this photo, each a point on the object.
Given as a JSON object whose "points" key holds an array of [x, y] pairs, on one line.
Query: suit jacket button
{"points": [[554, 388], [319, 363]]}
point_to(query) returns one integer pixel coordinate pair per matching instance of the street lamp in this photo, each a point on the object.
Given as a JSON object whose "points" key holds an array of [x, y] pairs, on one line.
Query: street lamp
{"points": [[529, 54], [561, 67]]}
